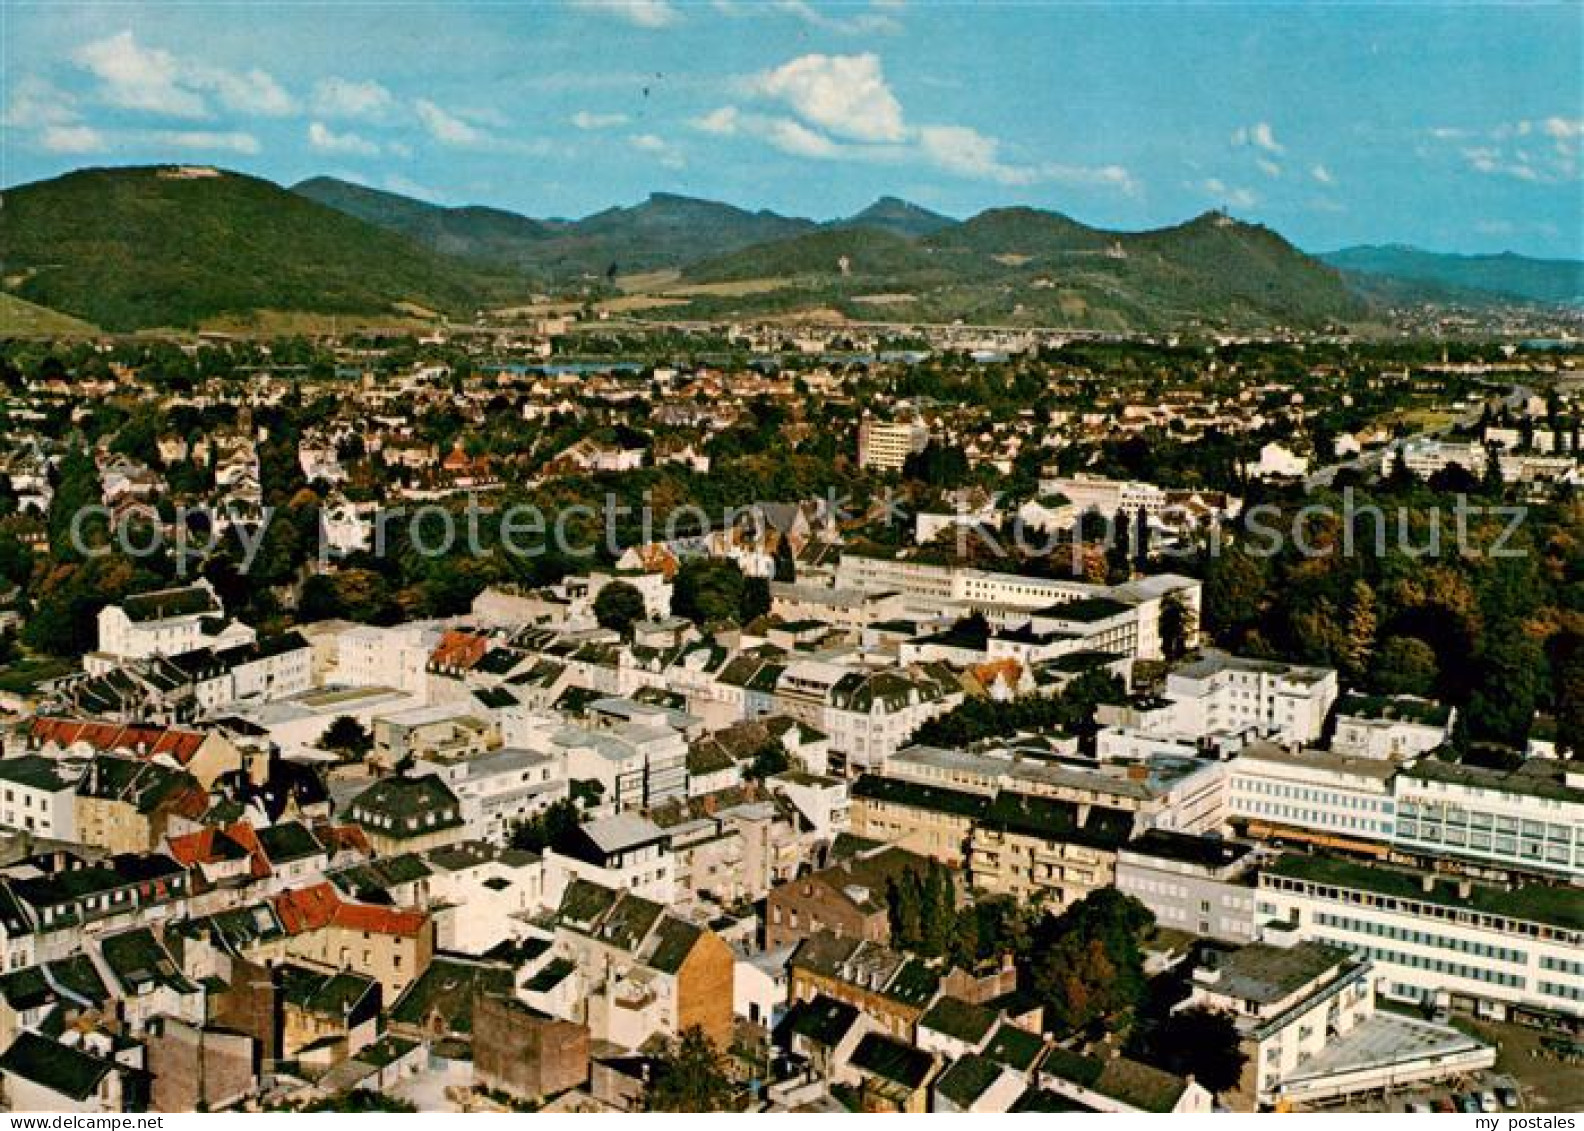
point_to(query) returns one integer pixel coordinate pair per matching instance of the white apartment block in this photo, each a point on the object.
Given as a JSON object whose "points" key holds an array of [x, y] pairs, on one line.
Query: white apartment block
{"points": [[639, 765], [167, 623], [501, 789], [1287, 703], [1312, 795], [1204, 885], [1437, 940], [38, 795], [624, 853], [395, 657], [886, 445], [1106, 496], [1183, 795], [1012, 600], [1425, 456], [1528, 820], [1395, 728]]}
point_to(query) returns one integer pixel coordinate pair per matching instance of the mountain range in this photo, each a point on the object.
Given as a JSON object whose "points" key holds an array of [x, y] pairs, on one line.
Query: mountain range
{"points": [[1519, 277], [178, 246]]}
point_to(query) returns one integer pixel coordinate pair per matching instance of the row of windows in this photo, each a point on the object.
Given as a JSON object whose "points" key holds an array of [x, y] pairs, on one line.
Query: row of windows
{"points": [[1554, 989], [1504, 846], [1481, 820], [1329, 797], [1562, 965], [1313, 818], [1421, 938], [1435, 965]]}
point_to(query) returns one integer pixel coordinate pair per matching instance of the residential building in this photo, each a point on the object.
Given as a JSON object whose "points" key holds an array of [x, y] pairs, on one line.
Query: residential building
{"points": [[1287, 703], [625, 852], [1204, 885], [1040, 847]]}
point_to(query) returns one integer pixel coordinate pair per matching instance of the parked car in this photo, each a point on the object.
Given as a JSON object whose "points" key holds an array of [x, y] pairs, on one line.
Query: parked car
{"points": [[1468, 1103], [1488, 1102], [1445, 1104], [1417, 1108], [1508, 1097]]}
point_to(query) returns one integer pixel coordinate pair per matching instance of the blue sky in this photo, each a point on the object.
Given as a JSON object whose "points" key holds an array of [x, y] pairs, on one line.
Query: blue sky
{"points": [[1455, 127]]}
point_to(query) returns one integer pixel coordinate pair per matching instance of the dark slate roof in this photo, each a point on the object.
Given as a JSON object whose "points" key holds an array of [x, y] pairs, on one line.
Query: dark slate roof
{"points": [[960, 1019], [934, 798], [64, 1070], [892, 1060], [1014, 1047], [967, 1079], [825, 1021], [447, 989], [1052, 819]]}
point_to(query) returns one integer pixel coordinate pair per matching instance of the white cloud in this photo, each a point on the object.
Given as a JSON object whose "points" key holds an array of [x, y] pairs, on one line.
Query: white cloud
{"points": [[845, 110], [351, 98], [589, 120], [248, 92], [212, 140], [137, 78], [395, 182], [723, 122], [325, 140], [149, 79], [1229, 194], [1268, 167], [35, 103], [72, 139], [1563, 128], [1261, 136], [874, 21], [639, 13], [846, 95], [966, 151], [1322, 174], [447, 128], [1539, 152], [668, 154], [798, 140]]}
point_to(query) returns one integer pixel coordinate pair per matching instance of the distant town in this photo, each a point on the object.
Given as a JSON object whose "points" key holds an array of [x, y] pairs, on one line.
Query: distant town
{"points": [[762, 716]]}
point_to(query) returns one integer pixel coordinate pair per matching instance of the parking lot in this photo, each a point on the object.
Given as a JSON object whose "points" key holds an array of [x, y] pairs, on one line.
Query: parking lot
{"points": [[1486, 1091]]}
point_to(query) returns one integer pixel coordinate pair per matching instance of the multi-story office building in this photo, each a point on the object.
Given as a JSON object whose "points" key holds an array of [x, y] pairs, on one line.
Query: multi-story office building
{"points": [[1435, 939], [1313, 796], [1528, 820]]}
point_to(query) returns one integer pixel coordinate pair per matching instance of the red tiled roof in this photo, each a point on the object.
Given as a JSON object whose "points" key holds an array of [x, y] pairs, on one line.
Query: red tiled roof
{"points": [[200, 847], [380, 920], [459, 650], [343, 838], [144, 741], [309, 909]]}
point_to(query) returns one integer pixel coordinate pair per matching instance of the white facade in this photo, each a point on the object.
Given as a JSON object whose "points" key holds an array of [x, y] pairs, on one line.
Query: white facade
{"points": [[1435, 940], [1397, 729], [501, 789], [396, 657], [1226, 694], [38, 796], [1312, 791], [886, 446], [1526, 820]]}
